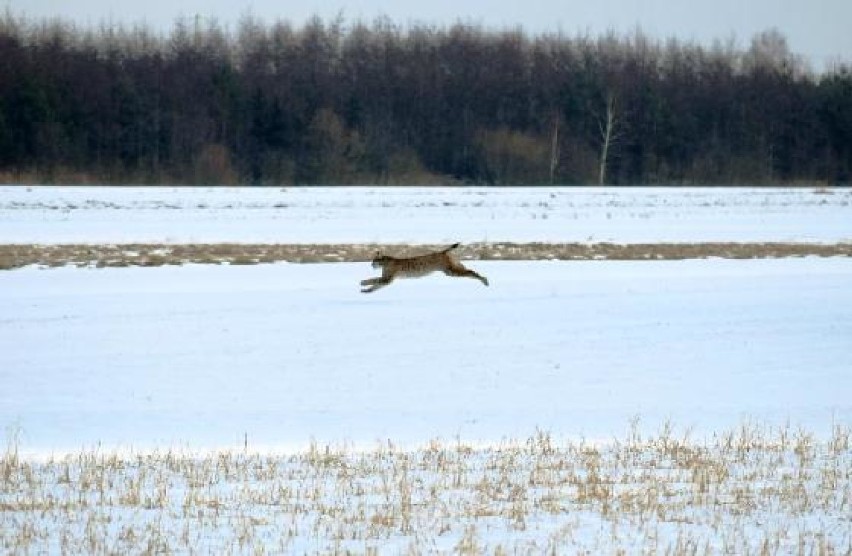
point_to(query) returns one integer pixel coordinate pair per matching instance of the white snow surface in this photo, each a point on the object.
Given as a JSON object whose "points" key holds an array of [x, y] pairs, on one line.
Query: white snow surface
{"points": [[62, 214], [275, 357], [209, 356]]}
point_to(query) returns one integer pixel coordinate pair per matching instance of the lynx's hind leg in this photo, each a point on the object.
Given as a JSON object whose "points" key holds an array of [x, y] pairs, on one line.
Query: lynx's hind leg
{"points": [[461, 271]]}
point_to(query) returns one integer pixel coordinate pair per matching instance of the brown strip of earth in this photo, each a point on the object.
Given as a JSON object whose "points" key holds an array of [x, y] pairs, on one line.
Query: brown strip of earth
{"points": [[15, 256]]}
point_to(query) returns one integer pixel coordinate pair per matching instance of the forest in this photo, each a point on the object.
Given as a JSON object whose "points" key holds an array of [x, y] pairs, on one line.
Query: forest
{"points": [[338, 102]]}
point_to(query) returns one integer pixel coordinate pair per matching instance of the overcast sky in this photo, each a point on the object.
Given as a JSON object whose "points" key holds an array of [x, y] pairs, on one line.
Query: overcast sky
{"points": [[818, 29]]}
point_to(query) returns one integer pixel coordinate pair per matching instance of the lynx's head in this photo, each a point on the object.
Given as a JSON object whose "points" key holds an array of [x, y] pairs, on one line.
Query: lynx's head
{"points": [[379, 260]]}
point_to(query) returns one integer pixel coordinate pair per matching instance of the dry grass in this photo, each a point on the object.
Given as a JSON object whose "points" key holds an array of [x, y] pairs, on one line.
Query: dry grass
{"points": [[14, 256], [751, 490]]}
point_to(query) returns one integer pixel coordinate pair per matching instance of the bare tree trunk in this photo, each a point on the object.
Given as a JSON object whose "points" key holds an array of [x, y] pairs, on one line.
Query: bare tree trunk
{"points": [[609, 135]]}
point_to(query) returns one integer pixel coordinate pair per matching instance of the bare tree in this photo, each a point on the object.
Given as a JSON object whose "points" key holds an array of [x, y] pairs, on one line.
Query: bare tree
{"points": [[554, 149], [610, 129]]}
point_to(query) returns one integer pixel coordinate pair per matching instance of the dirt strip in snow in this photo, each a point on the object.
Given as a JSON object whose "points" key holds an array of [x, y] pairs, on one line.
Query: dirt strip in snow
{"points": [[15, 256]]}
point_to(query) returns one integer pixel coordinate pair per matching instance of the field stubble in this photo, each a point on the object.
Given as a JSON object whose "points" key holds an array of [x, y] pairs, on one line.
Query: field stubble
{"points": [[750, 490]]}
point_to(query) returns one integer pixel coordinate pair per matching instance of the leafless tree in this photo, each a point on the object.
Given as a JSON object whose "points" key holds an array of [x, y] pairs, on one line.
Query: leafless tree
{"points": [[610, 128]]}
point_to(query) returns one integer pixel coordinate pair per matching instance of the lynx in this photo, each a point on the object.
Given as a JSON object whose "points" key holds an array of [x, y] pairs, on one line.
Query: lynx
{"points": [[415, 267]]}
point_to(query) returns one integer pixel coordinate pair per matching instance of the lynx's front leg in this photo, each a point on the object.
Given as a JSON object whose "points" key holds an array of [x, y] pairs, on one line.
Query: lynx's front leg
{"points": [[372, 284]]}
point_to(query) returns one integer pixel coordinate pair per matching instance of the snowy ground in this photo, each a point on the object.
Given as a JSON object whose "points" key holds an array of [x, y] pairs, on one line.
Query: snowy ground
{"points": [[207, 356], [283, 353], [121, 387], [422, 215]]}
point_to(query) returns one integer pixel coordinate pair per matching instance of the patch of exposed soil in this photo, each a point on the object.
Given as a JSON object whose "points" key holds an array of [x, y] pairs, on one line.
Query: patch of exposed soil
{"points": [[15, 256]]}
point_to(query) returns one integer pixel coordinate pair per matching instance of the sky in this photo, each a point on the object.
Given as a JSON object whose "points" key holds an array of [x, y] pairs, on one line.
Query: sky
{"points": [[817, 29]]}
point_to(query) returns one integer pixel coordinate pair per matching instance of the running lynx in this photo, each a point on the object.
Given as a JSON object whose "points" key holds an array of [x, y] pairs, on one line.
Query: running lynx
{"points": [[415, 267]]}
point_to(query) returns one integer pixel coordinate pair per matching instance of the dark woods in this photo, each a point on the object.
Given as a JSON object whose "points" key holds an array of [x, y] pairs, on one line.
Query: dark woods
{"points": [[339, 103]]}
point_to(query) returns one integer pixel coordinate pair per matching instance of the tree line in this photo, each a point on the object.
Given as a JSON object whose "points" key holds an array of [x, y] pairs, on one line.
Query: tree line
{"points": [[328, 102]]}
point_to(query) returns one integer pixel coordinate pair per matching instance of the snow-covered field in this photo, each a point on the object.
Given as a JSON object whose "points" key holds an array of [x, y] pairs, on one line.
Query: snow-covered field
{"points": [[550, 391], [585, 359], [422, 215], [202, 356]]}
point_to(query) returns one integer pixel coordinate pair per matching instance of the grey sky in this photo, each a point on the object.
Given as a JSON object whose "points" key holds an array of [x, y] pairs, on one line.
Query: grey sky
{"points": [[818, 29]]}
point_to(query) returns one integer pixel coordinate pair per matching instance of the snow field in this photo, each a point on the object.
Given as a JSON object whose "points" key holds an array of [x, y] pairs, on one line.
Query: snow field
{"points": [[48, 215], [203, 356], [595, 406]]}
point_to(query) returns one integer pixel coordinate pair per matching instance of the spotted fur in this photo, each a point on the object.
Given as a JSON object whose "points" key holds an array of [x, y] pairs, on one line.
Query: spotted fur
{"points": [[415, 267]]}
